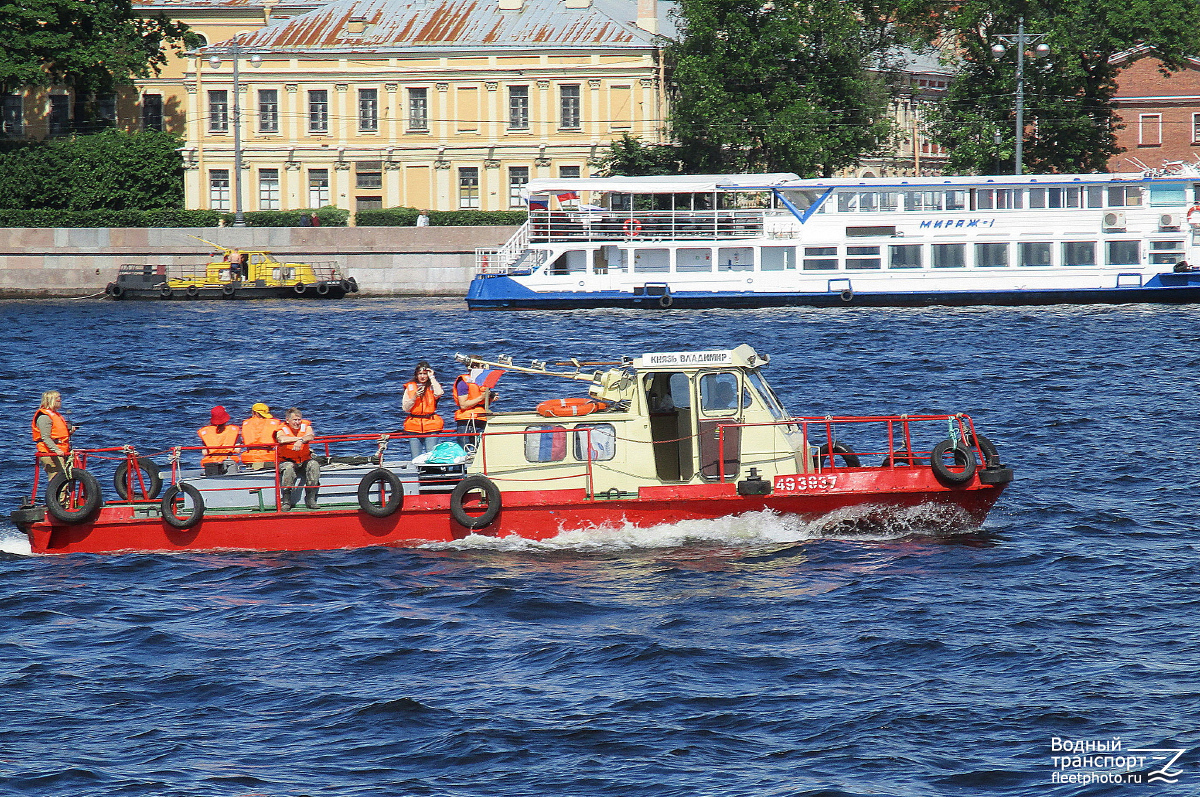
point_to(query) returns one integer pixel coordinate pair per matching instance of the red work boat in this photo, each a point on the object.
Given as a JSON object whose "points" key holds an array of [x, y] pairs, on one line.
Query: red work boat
{"points": [[661, 438]]}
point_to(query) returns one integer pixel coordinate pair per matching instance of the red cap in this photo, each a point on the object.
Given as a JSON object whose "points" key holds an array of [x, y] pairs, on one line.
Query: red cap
{"points": [[219, 416]]}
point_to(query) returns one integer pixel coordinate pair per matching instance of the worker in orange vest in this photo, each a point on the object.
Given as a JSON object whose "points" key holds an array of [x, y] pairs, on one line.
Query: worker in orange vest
{"points": [[220, 443], [296, 460], [470, 400], [52, 433], [420, 402], [258, 437]]}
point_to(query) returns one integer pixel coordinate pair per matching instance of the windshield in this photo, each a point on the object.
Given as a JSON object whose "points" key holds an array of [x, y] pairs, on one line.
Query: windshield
{"points": [[768, 396]]}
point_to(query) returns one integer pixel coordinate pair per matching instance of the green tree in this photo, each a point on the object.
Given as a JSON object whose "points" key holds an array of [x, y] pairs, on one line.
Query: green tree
{"points": [[111, 170], [91, 46], [1070, 122], [631, 157], [780, 85]]}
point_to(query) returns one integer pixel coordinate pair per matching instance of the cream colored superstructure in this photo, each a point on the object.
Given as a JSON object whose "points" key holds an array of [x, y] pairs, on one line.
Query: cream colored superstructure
{"points": [[669, 423]]}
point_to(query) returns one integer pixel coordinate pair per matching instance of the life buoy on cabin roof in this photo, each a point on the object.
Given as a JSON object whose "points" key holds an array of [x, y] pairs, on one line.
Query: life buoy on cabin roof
{"points": [[568, 407], [1193, 215], [632, 228]]}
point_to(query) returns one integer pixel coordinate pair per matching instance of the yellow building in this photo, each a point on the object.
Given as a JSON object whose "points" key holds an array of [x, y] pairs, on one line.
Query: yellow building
{"points": [[439, 104]]}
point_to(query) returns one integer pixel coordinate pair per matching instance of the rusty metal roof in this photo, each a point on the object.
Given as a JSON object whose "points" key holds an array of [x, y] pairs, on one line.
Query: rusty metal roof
{"points": [[442, 24]]}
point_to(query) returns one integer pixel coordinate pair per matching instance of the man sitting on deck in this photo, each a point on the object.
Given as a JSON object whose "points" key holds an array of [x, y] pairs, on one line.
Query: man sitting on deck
{"points": [[295, 459]]}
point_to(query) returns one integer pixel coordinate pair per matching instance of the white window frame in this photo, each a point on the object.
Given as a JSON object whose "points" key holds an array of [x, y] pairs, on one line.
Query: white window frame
{"points": [[1150, 123]]}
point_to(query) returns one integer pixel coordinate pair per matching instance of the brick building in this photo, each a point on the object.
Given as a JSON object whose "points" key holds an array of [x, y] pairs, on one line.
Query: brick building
{"points": [[1160, 113]]}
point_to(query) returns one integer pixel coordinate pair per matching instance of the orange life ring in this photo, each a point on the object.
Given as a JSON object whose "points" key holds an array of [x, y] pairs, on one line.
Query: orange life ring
{"points": [[1193, 215], [568, 407], [632, 228]]}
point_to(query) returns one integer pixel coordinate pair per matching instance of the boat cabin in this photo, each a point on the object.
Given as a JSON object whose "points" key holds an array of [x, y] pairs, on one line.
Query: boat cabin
{"points": [[663, 418]]}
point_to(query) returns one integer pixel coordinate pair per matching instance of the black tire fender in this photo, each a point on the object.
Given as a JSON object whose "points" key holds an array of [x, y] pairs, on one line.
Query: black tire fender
{"points": [[839, 449], [167, 506], [367, 491], [299, 288], [491, 494], [901, 458], [153, 479], [229, 290], [991, 456], [353, 284], [963, 457], [192, 290], [847, 295], [347, 287], [322, 288], [165, 291], [665, 301], [62, 486], [114, 290]]}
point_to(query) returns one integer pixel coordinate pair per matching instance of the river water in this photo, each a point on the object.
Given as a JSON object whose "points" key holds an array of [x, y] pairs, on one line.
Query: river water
{"points": [[748, 656]]}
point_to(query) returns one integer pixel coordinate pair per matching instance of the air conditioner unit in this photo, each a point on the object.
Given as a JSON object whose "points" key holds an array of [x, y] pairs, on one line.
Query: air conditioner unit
{"points": [[1114, 220], [1170, 221]]}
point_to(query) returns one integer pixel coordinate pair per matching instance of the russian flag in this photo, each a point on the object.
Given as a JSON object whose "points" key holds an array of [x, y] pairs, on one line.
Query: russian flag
{"points": [[539, 203], [570, 196]]}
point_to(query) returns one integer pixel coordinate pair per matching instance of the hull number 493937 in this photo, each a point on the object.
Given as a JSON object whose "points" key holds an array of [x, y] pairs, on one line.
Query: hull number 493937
{"points": [[799, 484]]}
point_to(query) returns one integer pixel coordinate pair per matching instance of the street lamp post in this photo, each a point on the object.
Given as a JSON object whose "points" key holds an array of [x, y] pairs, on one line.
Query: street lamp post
{"points": [[239, 219], [1021, 40]]}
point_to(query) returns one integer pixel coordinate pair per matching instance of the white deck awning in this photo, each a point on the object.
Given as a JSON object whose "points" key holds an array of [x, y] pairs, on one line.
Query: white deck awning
{"points": [[667, 184]]}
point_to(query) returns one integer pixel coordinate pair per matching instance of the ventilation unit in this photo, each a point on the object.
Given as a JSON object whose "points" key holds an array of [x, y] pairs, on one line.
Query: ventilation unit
{"points": [[1114, 220]]}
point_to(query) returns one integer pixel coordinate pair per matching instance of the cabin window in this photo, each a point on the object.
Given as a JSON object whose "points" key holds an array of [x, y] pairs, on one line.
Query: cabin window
{"points": [[949, 255], [768, 396], [693, 260], [1165, 253], [668, 392], [778, 258], [1035, 253], [1123, 253], [820, 258], [651, 261], [956, 200], [1095, 196], [1037, 197], [602, 438], [863, 257], [924, 200], [735, 258], [719, 394], [1079, 253], [998, 199], [573, 262], [1069, 197], [1168, 194], [545, 443], [1124, 196], [889, 200], [991, 255], [905, 256]]}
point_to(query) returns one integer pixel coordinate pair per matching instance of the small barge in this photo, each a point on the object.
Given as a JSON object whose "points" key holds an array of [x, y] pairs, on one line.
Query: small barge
{"points": [[661, 438], [239, 274]]}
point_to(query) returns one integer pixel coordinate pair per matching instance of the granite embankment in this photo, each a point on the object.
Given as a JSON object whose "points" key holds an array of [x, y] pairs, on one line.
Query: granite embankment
{"points": [[395, 261]]}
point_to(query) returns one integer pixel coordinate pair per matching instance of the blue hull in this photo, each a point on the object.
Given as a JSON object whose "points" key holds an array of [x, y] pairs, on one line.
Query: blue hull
{"points": [[502, 293]]}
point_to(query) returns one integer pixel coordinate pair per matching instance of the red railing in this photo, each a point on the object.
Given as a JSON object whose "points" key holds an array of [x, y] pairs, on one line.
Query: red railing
{"points": [[959, 426]]}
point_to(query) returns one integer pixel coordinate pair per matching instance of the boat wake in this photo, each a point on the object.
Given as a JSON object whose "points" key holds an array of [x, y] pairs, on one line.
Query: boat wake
{"points": [[14, 542], [749, 530]]}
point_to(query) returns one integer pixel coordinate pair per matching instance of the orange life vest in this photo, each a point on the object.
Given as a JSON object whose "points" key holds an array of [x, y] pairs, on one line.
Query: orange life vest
{"points": [[259, 431], [285, 449], [60, 433], [474, 391], [218, 446], [423, 417]]}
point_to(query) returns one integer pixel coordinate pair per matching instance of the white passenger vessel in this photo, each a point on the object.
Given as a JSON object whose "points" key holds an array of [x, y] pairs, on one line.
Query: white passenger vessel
{"points": [[776, 239]]}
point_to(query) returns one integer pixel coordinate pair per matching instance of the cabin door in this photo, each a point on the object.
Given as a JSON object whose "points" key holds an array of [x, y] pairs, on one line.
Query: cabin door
{"points": [[721, 401], [608, 267], [669, 400]]}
